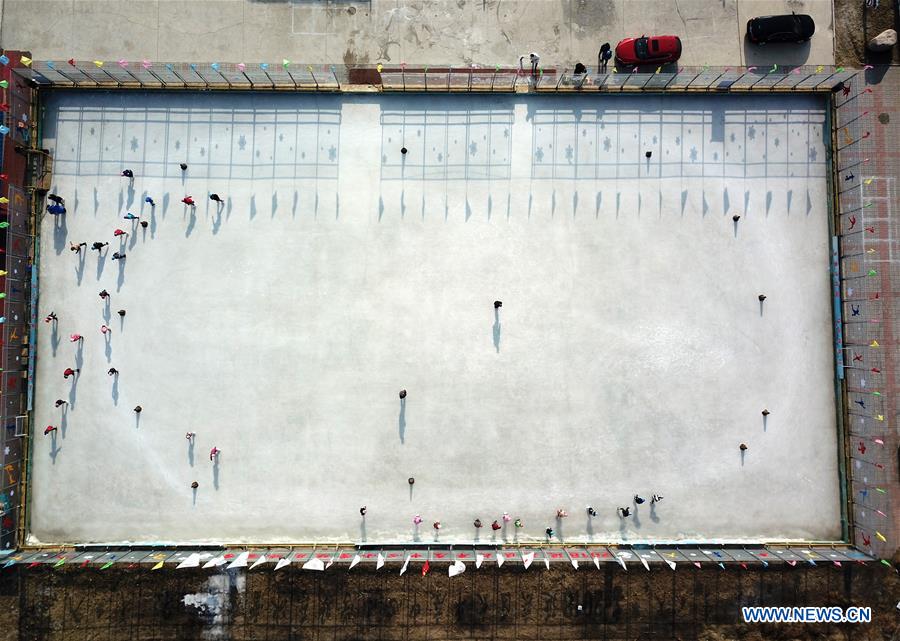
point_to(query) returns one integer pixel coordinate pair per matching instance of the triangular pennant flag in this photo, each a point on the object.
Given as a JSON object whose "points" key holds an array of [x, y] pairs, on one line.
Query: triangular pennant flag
{"points": [[458, 567], [721, 565], [285, 62], [214, 66], [500, 560], [597, 562], [379, 562], [356, 559], [192, 561], [880, 536], [50, 64], [744, 565], [838, 563], [874, 343], [868, 181], [262, 559], [98, 63], [4, 130], [25, 60], [697, 563], [240, 561], [264, 66], [8, 563], [330, 562], [282, 563], [157, 566], [671, 563], [765, 563], [528, 558], [546, 562], [146, 64], [123, 63], [425, 567], [215, 562], [4, 60], [574, 563], [479, 559], [106, 565], [59, 563], [405, 565], [622, 563], [71, 61], [644, 562], [241, 66], [314, 564]]}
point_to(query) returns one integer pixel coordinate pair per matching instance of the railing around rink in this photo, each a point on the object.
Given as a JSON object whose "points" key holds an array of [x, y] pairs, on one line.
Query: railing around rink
{"points": [[290, 76]]}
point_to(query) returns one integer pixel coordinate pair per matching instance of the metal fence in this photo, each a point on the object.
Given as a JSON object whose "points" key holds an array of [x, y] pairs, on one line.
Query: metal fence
{"points": [[868, 251], [306, 77]]}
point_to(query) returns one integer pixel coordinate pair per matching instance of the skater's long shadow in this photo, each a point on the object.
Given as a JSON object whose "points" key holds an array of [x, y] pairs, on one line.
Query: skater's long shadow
{"points": [[416, 535], [191, 452], [637, 518], [496, 330], [559, 529], [60, 234], [192, 222], [622, 527], [137, 420], [121, 278], [653, 516], [101, 262], [402, 425], [216, 473], [54, 450], [54, 337], [79, 266], [590, 527], [115, 389], [73, 391], [64, 420], [79, 355], [743, 452], [362, 530], [129, 201], [108, 347], [193, 496], [106, 311]]}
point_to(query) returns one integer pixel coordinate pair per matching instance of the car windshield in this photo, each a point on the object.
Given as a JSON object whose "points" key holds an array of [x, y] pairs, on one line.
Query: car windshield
{"points": [[640, 47]]}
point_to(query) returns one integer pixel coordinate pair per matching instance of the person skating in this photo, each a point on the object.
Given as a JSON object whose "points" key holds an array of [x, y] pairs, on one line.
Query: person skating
{"points": [[104, 294], [128, 173], [656, 498], [495, 526], [70, 372], [112, 371], [638, 499], [75, 338], [149, 201], [130, 216], [120, 232], [187, 200], [118, 255], [60, 401], [138, 409], [56, 210], [216, 198], [76, 247], [591, 511], [59, 200], [214, 453], [51, 318], [97, 246], [623, 511], [49, 429]]}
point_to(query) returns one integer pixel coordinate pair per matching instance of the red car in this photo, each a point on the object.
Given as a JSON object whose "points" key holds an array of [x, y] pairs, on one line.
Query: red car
{"points": [[652, 50]]}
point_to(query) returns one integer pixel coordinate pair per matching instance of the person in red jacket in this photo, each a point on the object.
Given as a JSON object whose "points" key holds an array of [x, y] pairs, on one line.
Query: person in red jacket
{"points": [[187, 200], [70, 372]]}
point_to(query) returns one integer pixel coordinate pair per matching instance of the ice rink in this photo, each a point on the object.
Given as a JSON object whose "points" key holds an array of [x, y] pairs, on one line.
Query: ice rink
{"points": [[631, 353]]}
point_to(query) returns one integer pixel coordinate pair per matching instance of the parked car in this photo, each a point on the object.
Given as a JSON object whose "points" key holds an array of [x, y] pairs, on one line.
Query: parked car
{"points": [[648, 50], [788, 28]]}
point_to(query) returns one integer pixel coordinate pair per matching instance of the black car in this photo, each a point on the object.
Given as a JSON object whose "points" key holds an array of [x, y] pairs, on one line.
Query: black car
{"points": [[789, 28]]}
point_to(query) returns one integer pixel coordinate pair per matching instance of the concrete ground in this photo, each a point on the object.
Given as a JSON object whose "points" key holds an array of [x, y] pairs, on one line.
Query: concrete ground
{"points": [[630, 355], [485, 32]]}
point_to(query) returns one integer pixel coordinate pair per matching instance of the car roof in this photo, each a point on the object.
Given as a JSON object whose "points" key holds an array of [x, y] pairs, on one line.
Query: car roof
{"points": [[784, 21]]}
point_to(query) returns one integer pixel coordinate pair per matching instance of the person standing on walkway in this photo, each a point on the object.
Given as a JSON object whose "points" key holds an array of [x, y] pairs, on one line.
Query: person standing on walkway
{"points": [[604, 56], [535, 61]]}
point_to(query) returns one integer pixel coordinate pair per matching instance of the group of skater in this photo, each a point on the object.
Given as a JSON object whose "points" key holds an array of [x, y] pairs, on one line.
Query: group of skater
{"points": [[57, 207]]}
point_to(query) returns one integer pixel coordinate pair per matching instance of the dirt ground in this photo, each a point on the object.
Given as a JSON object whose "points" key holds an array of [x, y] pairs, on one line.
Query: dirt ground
{"points": [[491, 603], [856, 24]]}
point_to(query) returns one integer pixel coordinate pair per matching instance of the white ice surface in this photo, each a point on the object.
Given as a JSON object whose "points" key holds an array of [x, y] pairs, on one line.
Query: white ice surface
{"points": [[631, 353]]}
